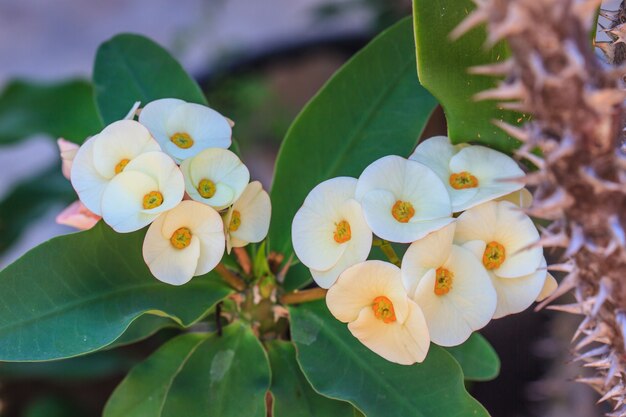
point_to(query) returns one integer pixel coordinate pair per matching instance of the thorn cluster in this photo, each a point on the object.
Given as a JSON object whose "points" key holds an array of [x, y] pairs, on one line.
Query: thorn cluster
{"points": [[577, 109]]}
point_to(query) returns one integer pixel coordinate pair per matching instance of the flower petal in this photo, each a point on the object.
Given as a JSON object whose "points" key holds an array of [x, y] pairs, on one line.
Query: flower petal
{"points": [[255, 210], [67, 151], [87, 182], [122, 201], [359, 285], [521, 198], [78, 216], [154, 116], [425, 254], [404, 344], [517, 294], [168, 264], [549, 287], [468, 306], [477, 223]]}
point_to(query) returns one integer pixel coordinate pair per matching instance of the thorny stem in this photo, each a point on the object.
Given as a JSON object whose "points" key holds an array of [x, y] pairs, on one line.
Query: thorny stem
{"points": [[303, 296], [230, 277], [388, 250]]}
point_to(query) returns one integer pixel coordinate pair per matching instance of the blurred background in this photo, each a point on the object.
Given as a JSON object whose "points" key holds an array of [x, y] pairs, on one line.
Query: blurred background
{"points": [[258, 63]]}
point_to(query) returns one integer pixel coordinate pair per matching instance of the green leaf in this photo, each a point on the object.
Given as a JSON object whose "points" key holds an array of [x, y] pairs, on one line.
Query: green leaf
{"points": [[142, 328], [78, 293], [372, 107], [30, 200], [339, 366], [132, 68], [443, 64], [197, 375], [64, 109], [293, 394], [477, 358]]}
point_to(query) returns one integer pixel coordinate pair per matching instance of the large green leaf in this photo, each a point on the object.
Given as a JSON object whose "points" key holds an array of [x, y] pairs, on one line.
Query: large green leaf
{"points": [[477, 358], [29, 200], [443, 69], [132, 68], [339, 366], [292, 392], [65, 109], [198, 375], [373, 106], [78, 293]]}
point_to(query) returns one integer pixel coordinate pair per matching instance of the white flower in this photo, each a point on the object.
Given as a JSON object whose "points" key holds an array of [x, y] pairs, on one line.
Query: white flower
{"points": [[402, 200], [502, 238], [184, 129], [329, 232], [105, 155], [248, 220], [184, 242], [215, 176], [450, 285], [149, 185], [369, 296], [549, 287], [521, 198], [472, 174]]}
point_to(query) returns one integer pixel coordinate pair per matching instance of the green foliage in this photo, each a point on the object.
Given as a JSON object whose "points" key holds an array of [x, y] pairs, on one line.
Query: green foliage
{"points": [[293, 395], [65, 109], [477, 358], [374, 106], [443, 69], [339, 366], [31, 199], [79, 293], [198, 375], [132, 68]]}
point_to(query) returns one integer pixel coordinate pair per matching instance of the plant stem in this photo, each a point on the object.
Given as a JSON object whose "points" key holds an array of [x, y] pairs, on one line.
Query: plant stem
{"points": [[230, 277], [388, 250], [303, 296]]}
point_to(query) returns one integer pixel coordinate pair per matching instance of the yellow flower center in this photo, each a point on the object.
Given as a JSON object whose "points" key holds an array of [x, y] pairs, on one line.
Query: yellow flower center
{"points": [[494, 255], [443, 281], [152, 200], [342, 232], [121, 165], [383, 309], [181, 238], [402, 211], [182, 140], [235, 221], [463, 180], [206, 188]]}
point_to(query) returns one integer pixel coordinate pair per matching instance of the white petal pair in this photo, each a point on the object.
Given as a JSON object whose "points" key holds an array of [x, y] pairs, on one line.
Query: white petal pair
{"points": [[472, 174], [402, 200], [329, 232], [248, 220], [502, 238], [215, 176], [184, 242], [369, 296], [105, 155], [184, 129], [450, 285]]}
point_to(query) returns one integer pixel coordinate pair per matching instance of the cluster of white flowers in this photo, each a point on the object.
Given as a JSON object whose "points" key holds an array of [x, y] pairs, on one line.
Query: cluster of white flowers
{"points": [[471, 256], [170, 170]]}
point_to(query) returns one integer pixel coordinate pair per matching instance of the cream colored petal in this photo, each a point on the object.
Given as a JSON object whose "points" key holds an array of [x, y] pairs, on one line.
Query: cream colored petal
{"points": [[122, 201], [477, 223], [426, 192], [154, 116], [255, 210], [387, 173], [468, 306], [489, 166], [87, 182], [425, 254], [549, 287], [516, 232], [357, 248], [521, 198], [124, 139], [436, 153], [477, 247], [377, 206], [328, 196], [359, 285], [392, 341], [517, 294], [67, 151], [167, 263], [133, 111]]}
